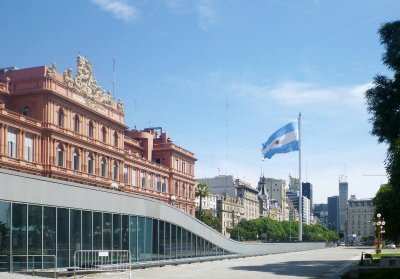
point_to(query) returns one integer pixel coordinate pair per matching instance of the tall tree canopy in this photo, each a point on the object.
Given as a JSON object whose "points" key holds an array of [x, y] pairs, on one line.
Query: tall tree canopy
{"points": [[383, 104], [202, 191]]}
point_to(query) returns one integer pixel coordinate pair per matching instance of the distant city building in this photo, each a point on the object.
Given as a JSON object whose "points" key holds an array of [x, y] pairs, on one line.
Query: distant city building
{"points": [[360, 214], [249, 197], [263, 199], [343, 197], [320, 212], [275, 212], [276, 191], [221, 185], [306, 211], [294, 183], [333, 213], [208, 203], [230, 211], [307, 189], [293, 212], [293, 196], [234, 196]]}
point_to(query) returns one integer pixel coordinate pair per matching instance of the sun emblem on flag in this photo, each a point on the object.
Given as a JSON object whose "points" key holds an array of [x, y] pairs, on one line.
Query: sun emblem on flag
{"points": [[277, 142]]}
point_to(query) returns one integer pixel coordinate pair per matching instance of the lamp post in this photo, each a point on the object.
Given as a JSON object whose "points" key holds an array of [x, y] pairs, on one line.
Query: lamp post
{"points": [[238, 216], [379, 230]]}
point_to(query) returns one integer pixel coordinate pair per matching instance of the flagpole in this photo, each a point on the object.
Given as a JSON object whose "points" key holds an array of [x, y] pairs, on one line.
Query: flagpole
{"points": [[300, 186]]}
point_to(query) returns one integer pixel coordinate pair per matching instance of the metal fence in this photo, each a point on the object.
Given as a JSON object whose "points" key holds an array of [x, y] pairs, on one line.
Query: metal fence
{"points": [[33, 264], [4, 263], [102, 261]]}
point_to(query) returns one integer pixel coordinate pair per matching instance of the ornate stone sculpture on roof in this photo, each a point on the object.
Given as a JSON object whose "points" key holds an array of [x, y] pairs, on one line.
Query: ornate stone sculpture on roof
{"points": [[51, 70], [86, 83]]}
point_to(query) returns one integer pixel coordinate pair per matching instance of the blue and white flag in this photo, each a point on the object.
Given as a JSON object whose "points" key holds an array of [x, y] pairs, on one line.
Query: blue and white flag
{"points": [[285, 140]]}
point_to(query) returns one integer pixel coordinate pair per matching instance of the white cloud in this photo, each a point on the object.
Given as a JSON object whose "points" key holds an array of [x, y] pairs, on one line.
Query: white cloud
{"points": [[205, 11], [301, 93], [118, 8]]}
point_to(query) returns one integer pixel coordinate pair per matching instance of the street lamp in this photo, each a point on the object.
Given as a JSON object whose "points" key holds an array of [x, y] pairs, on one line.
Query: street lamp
{"points": [[379, 230], [238, 216]]}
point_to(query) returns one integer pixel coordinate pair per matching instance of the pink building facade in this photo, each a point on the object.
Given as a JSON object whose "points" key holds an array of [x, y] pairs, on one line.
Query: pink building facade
{"points": [[64, 127]]}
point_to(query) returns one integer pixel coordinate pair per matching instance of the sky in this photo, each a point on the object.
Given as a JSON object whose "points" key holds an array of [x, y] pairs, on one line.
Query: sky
{"points": [[221, 76]]}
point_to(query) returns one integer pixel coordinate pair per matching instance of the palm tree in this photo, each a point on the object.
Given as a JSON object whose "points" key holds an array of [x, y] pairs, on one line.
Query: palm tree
{"points": [[202, 191]]}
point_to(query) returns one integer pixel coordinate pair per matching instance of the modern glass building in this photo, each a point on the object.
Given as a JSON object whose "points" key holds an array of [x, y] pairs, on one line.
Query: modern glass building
{"points": [[28, 229]]}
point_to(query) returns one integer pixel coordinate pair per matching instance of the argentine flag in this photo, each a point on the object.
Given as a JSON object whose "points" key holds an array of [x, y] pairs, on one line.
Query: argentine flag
{"points": [[285, 140]]}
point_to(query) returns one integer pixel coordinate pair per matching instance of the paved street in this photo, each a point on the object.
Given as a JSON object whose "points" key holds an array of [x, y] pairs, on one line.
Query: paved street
{"points": [[325, 263]]}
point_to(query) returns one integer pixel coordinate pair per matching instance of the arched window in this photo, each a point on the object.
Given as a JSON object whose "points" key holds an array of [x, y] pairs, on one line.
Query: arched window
{"points": [[60, 121], [76, 123], [76, 159], [60, 155], [26, 111], [104, 134], [115, 170], [91, 129], [115, 139], [90, 163], [103, 167]]}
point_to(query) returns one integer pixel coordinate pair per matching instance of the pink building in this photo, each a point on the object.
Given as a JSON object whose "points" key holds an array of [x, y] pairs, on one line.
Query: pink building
{"points": [[64, 127]]}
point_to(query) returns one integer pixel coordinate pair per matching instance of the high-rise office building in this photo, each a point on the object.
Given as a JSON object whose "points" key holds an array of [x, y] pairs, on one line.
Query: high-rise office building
{"points": [[343, 197], [307, 189], [333, 213]]}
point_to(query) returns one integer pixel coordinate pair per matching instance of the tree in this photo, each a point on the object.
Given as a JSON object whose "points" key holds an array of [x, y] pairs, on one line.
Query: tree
{"points": [[383, 104], [209, 219], [202, 191]]}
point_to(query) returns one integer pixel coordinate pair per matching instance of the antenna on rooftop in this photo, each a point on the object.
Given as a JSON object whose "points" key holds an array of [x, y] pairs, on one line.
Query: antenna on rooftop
{"points": [[227, 137]]}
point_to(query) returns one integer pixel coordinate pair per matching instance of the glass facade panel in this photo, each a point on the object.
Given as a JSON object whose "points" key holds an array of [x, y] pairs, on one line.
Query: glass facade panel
{"points": [[116, 232], [178, 242], [167, 241], [62, 237], [161, 241], [35, 230], [133, 229], [49, 235], [5, 211], [97, 231], [62, 231], [87, 230], [107, 231], [155, 239], [19, 230], [148, 239], [184, 244], [125, 232], [75, 233], [141, 234], [173, 241]]}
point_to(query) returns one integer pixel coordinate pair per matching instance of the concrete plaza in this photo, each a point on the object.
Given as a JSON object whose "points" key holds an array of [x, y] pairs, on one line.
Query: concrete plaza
{"points": [[323, 263]]}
